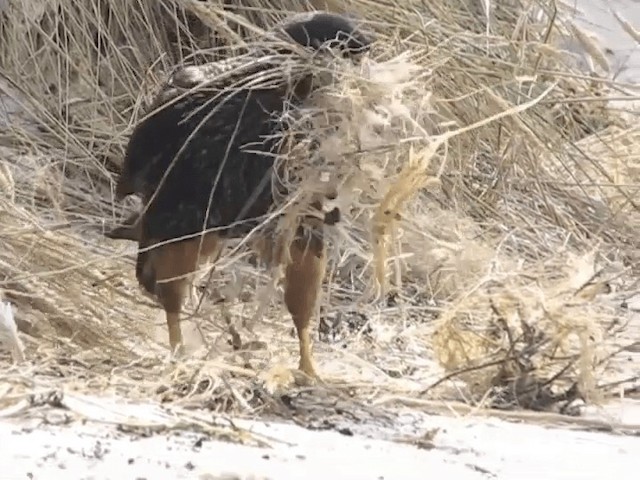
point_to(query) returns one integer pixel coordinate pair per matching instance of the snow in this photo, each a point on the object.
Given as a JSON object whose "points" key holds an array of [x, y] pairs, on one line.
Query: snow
{"points": [[463, 448], [622, 50]]}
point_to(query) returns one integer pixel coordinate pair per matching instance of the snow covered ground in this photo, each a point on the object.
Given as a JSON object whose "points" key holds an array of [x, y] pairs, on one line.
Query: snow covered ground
{"points": [[623, 52], [447, 447]]}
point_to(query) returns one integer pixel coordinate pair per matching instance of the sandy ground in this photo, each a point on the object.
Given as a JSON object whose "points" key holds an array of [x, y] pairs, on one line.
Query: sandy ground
{"points": [[414, 446], [465, 447]]}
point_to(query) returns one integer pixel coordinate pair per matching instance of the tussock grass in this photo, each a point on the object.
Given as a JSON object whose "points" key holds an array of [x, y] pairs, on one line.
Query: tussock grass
{"points": [[489, 229]]}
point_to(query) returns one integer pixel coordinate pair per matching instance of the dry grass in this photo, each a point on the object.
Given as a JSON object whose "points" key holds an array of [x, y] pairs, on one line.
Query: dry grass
{"points": [[487, 189]]}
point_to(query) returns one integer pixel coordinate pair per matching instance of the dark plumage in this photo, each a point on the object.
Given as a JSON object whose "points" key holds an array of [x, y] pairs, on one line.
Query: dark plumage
{"points": [[203, 160], [322, 29]]}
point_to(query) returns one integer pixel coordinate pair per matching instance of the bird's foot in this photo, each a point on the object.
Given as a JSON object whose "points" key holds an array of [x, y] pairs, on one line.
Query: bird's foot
{"points": [[178, 352], [306, 376]]}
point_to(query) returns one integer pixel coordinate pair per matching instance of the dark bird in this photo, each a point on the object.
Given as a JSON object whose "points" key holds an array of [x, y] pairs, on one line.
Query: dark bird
{"points": [[204, 159]]}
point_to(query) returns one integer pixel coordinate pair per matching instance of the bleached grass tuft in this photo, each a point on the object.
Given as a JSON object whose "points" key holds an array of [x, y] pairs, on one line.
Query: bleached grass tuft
{"points": [[9, 332]]}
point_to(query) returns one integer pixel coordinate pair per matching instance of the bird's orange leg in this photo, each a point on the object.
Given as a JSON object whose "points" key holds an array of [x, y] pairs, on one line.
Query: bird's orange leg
{"points": [[172, 265], [303, 282]]}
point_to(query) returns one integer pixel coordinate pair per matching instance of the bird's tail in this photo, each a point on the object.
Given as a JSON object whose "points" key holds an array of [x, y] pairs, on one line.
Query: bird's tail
{"points": [[129, 230]]}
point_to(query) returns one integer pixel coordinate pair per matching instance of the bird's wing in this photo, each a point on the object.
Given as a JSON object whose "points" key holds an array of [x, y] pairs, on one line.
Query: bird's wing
{"points": [[248, 71], [184, 79]]}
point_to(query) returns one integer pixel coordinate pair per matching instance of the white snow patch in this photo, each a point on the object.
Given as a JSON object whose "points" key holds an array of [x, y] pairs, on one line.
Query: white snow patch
{"points": [[464, 448]]}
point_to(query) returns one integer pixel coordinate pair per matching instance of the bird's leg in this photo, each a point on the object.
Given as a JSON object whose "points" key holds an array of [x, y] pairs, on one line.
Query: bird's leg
{"points": [[303, 282], [174, 265], [171, 262]]}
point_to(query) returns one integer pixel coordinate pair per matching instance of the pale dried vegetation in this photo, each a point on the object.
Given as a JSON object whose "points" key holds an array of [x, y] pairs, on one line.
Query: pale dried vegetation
{"points": [[489, 241]]}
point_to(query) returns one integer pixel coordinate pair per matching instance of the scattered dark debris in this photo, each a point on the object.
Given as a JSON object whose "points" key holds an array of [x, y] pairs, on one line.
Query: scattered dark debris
{"points": [[50, 456], [320, 425], [405, 371], [224, 476], [219, 396], [332, 217], [189, 466], [52, 398], [424, 442], [162, 389], [287, 400], [56, 418], [532, 394], [343, 413], [143, 432], [339, 326], [393, 298], [480, 469], [98, 452]]}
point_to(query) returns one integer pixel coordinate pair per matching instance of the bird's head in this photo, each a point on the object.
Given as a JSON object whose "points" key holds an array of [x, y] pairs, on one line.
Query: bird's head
{"points": [[320, 30]]}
